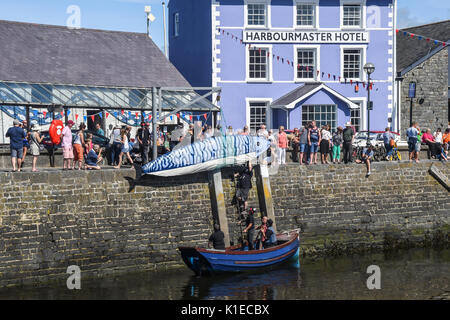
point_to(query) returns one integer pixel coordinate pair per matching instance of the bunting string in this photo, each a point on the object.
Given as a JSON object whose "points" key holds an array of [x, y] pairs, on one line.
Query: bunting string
{"points": [[420, 37], [283, 60]]}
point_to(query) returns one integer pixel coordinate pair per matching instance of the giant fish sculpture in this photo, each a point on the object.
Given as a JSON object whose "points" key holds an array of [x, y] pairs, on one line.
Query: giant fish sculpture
{"points": [[209, 154]]}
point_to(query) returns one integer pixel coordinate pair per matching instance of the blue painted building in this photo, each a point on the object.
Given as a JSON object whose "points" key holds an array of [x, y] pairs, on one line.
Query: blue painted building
{"points": [[286, 62]]}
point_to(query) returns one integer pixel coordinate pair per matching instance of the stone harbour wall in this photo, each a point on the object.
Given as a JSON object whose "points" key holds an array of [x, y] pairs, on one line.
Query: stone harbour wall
{"points": [[105, 222]]}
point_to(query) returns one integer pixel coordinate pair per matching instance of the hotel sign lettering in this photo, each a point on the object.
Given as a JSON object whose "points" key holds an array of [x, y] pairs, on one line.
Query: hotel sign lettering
{"points": [[306, 36]]}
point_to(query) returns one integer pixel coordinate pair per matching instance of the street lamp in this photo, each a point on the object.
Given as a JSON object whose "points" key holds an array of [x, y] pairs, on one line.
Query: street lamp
{"points": [[369, 68], [150, 18]]}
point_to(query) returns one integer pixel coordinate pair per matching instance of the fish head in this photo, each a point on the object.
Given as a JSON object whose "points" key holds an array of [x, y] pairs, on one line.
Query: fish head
{"points": [[260, 144]]}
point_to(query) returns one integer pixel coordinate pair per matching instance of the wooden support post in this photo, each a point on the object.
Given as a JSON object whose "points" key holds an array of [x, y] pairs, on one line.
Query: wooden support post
{"points": [[218, 203], [265, 193], [440, 177]]}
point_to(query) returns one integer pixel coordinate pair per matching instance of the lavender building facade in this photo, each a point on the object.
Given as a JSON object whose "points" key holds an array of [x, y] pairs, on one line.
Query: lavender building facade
{"points": [[286, 62]]}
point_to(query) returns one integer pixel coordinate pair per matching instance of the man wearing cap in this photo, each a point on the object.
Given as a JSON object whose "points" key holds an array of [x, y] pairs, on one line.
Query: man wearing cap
{"points": [[66, 144], [16, 136], [143, 136], [348, 137]]}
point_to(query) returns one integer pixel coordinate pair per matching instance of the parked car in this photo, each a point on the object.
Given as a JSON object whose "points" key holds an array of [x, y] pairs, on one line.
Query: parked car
{"points": [[375, 137]]}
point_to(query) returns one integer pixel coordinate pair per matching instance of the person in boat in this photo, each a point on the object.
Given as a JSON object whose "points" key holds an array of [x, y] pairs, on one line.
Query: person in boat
{"points": [[261, 237], [250, 228], [217, 239], [244, 184], [270, 235]]}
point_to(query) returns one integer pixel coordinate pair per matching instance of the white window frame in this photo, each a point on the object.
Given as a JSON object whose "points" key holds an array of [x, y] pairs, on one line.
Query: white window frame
{"points": [[176, 24], [363, 111], [363, 62], [268, 101], [269, 77], [315, 3], [267, 24], [317, 67], [362, 3]]}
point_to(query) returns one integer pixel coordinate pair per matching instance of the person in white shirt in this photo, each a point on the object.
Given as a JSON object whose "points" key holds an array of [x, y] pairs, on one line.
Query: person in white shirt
{"points": [[438, 135], [325, 143], [262, 132]]}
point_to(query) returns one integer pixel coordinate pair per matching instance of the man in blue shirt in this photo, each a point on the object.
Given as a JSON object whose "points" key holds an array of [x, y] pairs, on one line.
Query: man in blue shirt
{"points": [[16, 136], [99, 131], [411, 134]]}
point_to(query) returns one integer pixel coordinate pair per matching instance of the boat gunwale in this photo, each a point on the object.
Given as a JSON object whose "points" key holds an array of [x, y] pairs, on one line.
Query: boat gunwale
{"points": [[232, 250]]}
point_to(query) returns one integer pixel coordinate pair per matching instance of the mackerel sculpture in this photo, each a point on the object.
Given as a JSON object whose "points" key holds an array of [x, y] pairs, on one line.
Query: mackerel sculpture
{"points": [[209, 154]]}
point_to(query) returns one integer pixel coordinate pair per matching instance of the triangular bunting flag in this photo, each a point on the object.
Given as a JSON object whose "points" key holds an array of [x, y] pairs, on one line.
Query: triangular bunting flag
{"points": [[205, 116]]}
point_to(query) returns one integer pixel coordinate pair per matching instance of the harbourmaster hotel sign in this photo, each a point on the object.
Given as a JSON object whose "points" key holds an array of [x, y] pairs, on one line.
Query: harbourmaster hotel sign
{"points": [[306, 36]]}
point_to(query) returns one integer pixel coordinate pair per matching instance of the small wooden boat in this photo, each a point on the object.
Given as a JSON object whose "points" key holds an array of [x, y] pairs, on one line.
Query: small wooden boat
{"points": [[238, 258]]}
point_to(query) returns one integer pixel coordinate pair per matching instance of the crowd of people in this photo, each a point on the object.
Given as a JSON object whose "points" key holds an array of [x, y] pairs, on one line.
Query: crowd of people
{"points": [[438, 142], [83, 151]]}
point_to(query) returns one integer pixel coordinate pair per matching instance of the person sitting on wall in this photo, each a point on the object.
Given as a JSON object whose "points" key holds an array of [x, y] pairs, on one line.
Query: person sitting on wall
{"points": [[428, 139], [93, 158], [217, 239], [367, 156]]}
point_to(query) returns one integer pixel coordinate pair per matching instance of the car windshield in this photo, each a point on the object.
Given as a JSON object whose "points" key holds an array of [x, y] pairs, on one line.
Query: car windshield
{"points": [[363, 135]]}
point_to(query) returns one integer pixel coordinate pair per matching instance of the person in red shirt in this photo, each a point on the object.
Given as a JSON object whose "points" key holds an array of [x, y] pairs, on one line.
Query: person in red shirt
{"points": [[428, 139], [282, 146]]}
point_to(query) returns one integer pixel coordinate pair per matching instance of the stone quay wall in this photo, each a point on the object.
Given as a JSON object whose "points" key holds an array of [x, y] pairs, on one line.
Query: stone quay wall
{"points": [[105, 222], [431, 77]]}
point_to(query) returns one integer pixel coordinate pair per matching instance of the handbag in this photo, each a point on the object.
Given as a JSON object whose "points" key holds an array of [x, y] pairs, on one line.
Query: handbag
{"points": [[392, 142]]}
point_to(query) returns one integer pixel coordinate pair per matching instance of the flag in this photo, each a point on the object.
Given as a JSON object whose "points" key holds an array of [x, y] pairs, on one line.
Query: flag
{"points": [[44, 113], [76, 117], [107, 114], [100, 115], [93, 118], [85, 118], [205, 116], [123, 111]]}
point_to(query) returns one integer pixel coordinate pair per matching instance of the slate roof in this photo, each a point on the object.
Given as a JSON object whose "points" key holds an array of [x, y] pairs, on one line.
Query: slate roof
{"points": [[295, 94], [411, 50], [55, 54]]}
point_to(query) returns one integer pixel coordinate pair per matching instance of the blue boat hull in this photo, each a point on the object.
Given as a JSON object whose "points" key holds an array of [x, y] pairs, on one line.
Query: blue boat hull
{"points": [[238, 259]]}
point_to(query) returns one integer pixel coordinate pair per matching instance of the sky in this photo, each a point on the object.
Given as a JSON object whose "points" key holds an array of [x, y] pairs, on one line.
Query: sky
{"points": [[129, 15]]}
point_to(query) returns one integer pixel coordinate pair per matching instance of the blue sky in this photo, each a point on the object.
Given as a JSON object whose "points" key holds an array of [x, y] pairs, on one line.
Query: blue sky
{"points": [[128, 15]]}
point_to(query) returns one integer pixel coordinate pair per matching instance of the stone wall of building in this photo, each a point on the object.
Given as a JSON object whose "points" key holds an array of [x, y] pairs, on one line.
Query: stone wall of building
{"points": [[431, 77], [105, 222]]}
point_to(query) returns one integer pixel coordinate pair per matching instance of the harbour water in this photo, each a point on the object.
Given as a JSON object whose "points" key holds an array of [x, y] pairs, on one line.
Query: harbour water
{"points": [[410, 274]]}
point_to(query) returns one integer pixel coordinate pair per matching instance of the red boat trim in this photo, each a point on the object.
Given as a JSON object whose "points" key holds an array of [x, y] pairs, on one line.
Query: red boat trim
{"points": [[229, 250], [267, 260]]}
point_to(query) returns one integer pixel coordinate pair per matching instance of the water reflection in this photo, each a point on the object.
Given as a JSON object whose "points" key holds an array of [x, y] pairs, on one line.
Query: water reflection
{"points": [[412, 274], [244, 286]]}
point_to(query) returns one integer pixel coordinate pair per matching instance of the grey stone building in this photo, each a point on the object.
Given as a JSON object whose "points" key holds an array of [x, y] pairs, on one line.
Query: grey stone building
{"points": [[426, 64]]}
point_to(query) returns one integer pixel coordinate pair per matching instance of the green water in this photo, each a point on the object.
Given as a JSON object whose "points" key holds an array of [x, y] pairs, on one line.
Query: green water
{"points": [[412, 274]]}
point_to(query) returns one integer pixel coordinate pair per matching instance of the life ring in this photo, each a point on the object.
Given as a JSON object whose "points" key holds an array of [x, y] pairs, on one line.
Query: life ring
{"points": [[55, 131]]}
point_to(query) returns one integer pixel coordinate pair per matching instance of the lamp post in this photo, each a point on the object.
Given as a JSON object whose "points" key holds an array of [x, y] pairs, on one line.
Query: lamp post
{"points": [[150, 18], [369, 68]]}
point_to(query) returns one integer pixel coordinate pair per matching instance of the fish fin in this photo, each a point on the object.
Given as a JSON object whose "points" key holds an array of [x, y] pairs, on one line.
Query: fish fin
{"points": [[138, 169]]}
